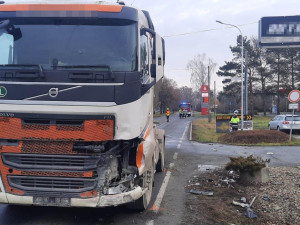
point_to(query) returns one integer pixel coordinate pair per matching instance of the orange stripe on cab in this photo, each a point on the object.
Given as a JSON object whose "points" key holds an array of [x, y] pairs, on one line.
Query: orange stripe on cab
{"points": [[139, 155], [61, 7]]}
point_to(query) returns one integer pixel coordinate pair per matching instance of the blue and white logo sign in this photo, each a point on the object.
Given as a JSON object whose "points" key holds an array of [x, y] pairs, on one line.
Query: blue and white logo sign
{"points": [[278, 32], [3, 92]]}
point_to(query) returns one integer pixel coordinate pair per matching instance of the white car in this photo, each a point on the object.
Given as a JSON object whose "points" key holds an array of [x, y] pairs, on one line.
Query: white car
{"points": [[284, 122]]}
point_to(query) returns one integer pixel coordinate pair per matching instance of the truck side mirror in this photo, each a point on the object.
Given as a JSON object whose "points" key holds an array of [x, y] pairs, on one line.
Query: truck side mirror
{"points": [[158, 54]]}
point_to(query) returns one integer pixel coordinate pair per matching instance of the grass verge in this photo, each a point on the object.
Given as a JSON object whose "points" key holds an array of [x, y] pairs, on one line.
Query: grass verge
{"points": [[205, 132], [261, 123]]}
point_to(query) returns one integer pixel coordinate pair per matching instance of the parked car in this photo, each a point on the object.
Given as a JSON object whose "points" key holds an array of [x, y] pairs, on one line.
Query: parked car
{"points": [[283, 123]]}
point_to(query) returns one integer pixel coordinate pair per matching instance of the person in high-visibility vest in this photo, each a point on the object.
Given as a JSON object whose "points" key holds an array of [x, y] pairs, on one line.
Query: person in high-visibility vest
{"points": [[168, 114], [234, 121]]}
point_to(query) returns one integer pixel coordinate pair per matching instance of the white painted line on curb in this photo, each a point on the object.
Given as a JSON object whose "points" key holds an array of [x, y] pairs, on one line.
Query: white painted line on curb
{"points": [[191, 130]]}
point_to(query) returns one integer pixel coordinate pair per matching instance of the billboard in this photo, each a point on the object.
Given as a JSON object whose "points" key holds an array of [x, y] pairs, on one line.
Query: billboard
{"points": [[278, 32]]}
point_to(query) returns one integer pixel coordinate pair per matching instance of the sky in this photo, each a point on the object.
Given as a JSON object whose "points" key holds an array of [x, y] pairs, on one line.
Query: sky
{"points": [[173, 17]]}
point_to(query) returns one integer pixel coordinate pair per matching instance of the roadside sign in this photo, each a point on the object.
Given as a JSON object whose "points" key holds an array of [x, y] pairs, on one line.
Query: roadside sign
{"points": [[280, 31], [204, 89], [294, 96], [293, 106], [223, 123], [204, 95]]}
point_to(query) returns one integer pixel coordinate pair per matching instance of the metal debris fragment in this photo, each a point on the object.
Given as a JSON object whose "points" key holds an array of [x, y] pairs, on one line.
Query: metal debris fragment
{"points": [[198, 192]]}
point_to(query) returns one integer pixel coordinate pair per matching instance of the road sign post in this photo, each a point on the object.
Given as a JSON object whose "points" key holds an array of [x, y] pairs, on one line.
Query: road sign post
{"points": [[294, 97]]}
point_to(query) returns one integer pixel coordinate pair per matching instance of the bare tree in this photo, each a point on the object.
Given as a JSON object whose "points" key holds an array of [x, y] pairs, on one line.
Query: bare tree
{"points": [[169, 95], [198, 67]]}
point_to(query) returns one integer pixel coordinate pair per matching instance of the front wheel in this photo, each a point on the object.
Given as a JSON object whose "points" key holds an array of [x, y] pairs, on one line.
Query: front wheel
{"points": [[146, 182]]}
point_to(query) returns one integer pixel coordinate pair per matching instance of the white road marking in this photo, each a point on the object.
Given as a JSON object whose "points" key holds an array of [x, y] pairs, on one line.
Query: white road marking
{"points": [[171, 165], [164, 185], [161, 192], [151, 222], [175, 155]]}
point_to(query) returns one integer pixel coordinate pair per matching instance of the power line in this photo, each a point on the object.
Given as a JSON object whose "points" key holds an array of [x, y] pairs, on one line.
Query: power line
{"points": [[202, 31]]}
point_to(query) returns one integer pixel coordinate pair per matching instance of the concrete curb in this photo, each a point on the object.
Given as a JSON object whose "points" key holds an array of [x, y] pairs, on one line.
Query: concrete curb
{"points": [[191, 128]]}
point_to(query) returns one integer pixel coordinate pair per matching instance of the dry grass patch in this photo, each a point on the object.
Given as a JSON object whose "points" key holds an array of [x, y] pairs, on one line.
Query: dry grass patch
{"points": [[254, 137]]}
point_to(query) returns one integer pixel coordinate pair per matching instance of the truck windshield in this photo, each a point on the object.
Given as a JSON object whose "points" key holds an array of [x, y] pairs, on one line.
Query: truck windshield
{"points": [[57, 43]]}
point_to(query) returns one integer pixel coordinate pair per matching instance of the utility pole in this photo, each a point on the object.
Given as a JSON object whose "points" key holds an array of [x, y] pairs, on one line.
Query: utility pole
{"points": [[209, 116], [246, 82], [215, 94]]}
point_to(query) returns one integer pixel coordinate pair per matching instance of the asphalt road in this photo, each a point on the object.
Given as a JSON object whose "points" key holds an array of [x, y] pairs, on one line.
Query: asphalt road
{"points": [[182, 159]]}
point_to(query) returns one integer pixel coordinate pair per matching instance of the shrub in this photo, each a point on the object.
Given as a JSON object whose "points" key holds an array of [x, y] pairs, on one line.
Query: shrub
{"points": [[249, 164]]}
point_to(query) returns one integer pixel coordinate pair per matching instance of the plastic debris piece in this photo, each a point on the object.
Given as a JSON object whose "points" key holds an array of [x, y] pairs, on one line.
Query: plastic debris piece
{"points": [[250, 214], [227, 181], [270, 153], [266, 198], [198, 192], [251, 203], [243, 199], [244, 205]]}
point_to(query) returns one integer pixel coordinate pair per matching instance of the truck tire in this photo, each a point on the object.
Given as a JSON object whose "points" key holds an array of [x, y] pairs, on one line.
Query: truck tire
{"points": [[161, 161], [143, 202]]}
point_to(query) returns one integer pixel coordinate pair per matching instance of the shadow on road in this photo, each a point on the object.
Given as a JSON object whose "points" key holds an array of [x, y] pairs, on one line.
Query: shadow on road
{"points": [[14, 214]]}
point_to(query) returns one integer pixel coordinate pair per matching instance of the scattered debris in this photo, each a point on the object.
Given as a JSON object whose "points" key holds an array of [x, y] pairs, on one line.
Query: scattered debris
{"points": [[251, 203], [227, 181], [198, 192], [250, 213], [277, 208], [244, 205], [270, 153], [277, 201], [243, 199], [205, 168]]}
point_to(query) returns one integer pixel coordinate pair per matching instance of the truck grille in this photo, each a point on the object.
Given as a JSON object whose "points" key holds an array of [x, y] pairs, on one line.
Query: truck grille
{"points": [[50, 162], [74, 185]]}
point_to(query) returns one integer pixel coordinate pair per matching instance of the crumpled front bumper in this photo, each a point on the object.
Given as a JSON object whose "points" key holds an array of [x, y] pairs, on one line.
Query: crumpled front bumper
{"points": [[96, 202]]}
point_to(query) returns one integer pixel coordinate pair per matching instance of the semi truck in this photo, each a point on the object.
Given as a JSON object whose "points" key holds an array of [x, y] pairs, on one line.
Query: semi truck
{"points": [[77, 84]]}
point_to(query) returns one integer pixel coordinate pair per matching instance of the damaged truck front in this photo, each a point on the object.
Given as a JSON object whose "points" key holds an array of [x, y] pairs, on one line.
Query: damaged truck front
{"points": [[76, 101]]}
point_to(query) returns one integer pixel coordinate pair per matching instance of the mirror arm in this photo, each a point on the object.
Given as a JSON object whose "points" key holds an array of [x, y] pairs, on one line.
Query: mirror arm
{"points": [[146, 87]]}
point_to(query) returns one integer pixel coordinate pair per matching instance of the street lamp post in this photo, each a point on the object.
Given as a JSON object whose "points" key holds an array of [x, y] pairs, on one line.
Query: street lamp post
{"points": [[242, 77]]}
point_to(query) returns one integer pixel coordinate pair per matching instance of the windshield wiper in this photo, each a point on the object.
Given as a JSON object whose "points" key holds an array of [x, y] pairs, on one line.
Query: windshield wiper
{"points": [[88, 67], [26, 74]]}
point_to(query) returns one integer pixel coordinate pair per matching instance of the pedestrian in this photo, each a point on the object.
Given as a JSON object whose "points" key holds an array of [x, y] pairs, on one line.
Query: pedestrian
{"points": [[234, 121], [168, 114]]}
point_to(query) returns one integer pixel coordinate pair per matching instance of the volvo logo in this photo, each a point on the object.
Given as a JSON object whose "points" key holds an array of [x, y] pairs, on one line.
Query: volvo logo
{"points": [[3, 92], [53, 92]]}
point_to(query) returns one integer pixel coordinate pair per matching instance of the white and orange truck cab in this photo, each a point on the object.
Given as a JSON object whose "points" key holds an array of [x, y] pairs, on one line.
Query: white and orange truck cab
{"points": [[77, 85]]}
